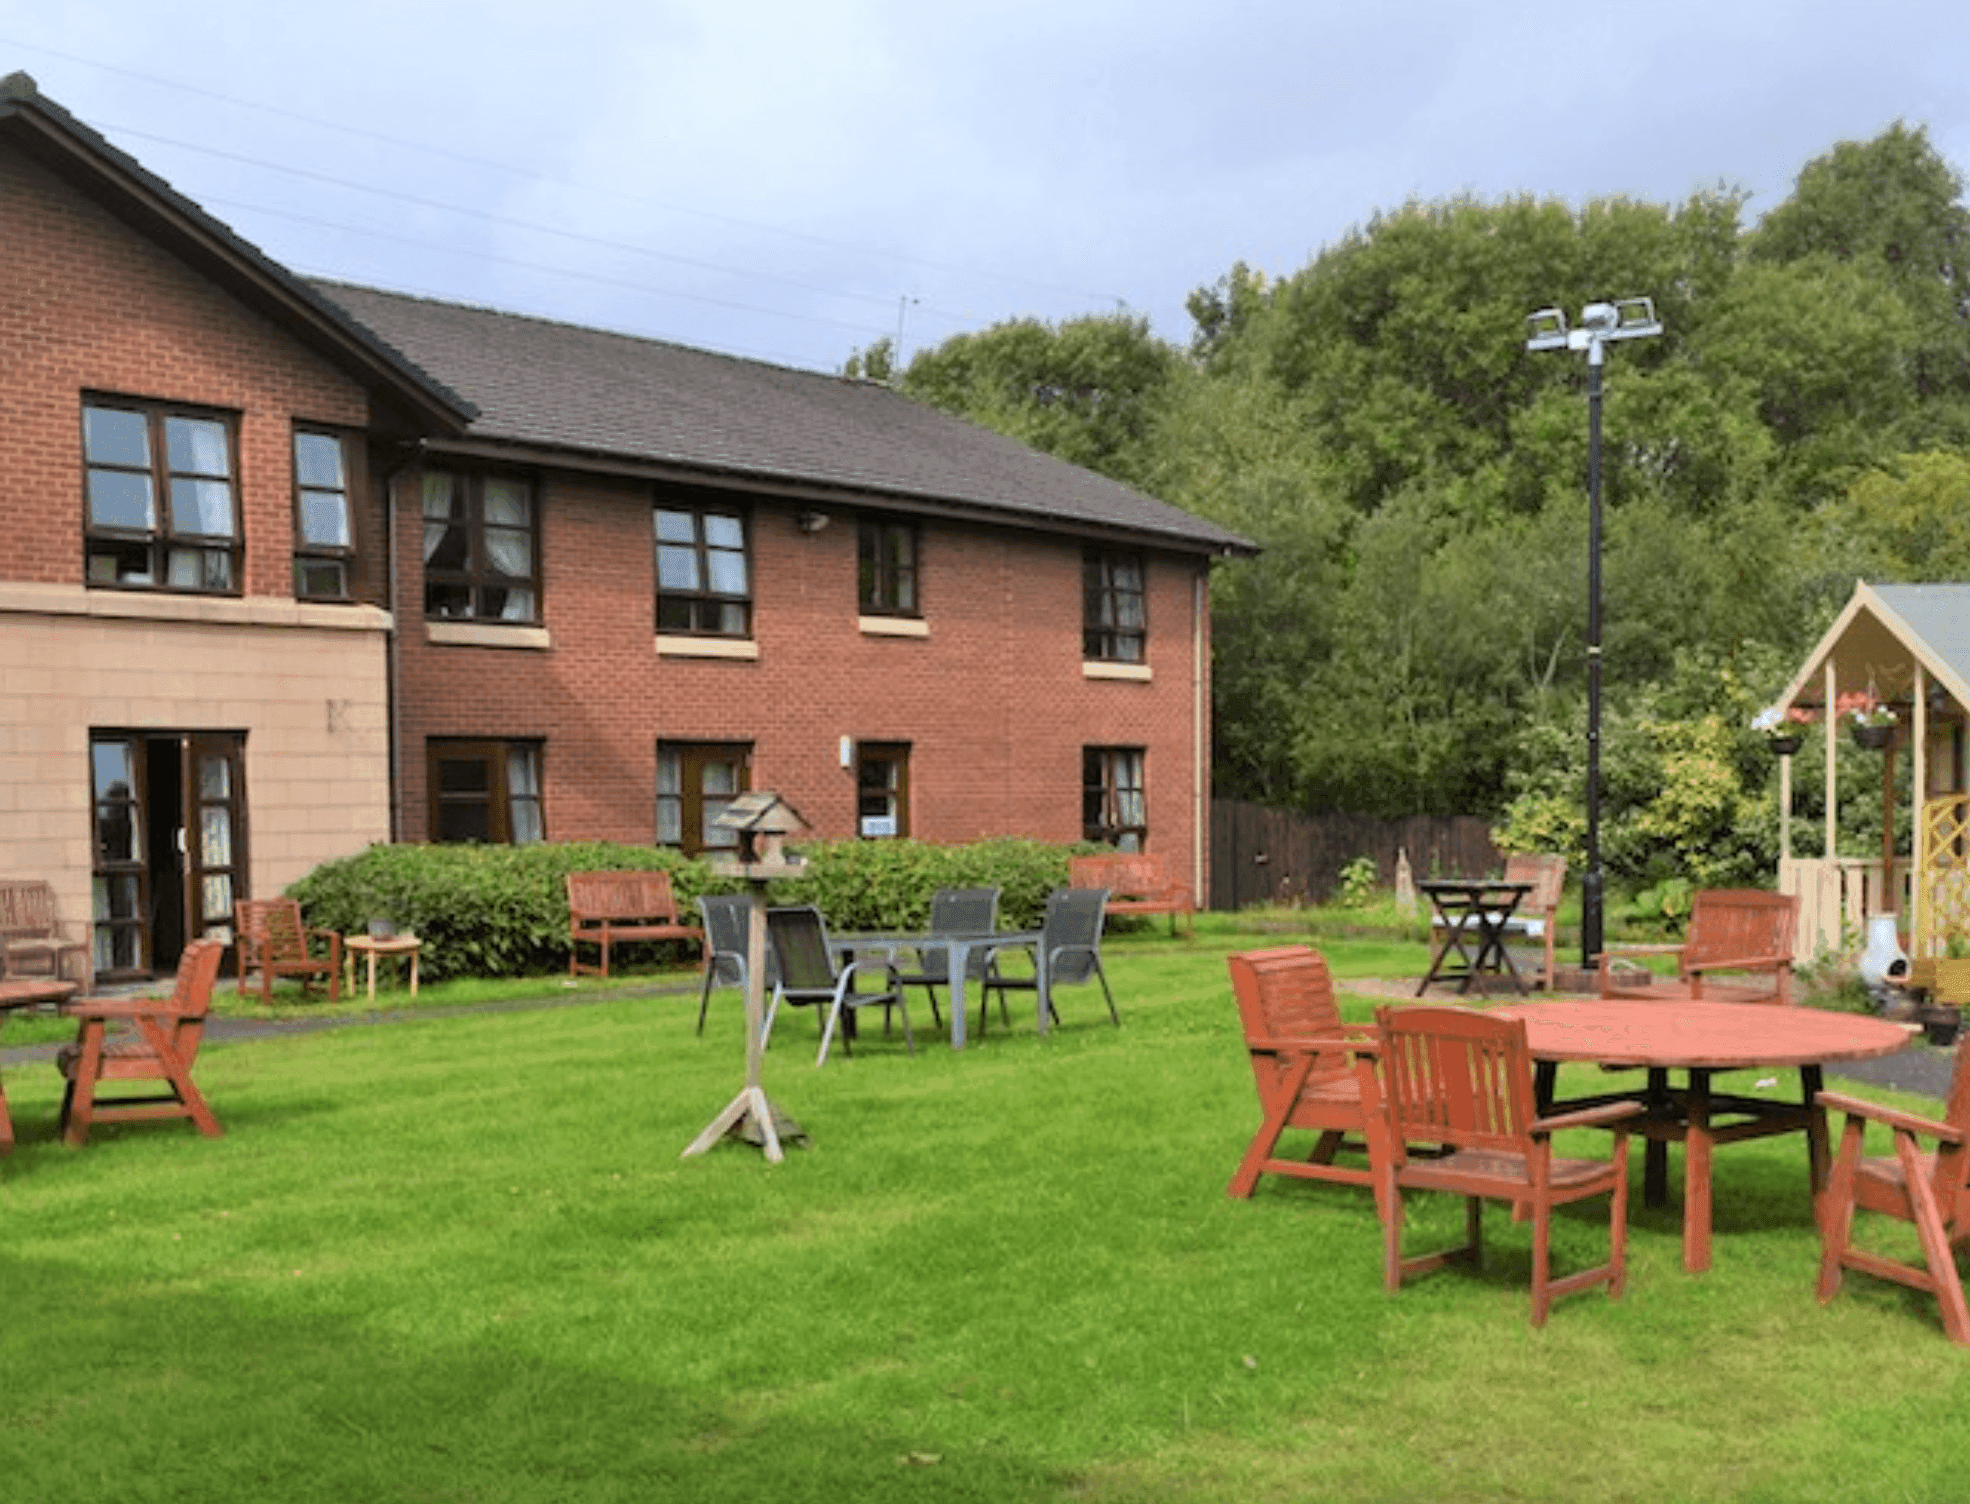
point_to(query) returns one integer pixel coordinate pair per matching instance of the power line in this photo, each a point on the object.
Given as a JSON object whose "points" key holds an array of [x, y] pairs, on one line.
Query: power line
{"points": [[384, 138], [558, 271]]}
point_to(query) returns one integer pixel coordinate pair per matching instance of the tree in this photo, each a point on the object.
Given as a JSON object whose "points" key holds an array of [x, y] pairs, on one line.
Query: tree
{"points": [[1410, 640], [1086, 390], [1907, 518], [1893, 208], [877, 363]]}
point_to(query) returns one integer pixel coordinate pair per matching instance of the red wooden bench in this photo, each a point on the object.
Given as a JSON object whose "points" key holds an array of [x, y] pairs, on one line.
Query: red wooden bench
{"points": [[1137, 883], [609, 908]]}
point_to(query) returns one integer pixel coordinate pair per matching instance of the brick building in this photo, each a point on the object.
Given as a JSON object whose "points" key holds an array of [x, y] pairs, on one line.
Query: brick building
{"points": [[292, 567]]}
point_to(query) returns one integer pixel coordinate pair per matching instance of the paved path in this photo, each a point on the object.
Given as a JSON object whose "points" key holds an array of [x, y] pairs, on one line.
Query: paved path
{"points": [[222, 1028], [1921, 1069]]}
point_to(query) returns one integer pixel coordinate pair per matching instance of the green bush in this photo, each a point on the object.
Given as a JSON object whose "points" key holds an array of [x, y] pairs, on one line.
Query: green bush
{"points": [[886, 885], [1359, 879], [484, 911], [493, 911]]}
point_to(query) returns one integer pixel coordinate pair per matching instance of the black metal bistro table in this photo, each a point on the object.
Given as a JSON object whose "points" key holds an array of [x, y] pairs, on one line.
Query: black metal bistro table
{"points": [[1467, 910]]}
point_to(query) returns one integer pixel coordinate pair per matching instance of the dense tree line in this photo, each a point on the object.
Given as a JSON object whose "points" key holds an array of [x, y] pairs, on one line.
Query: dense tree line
{"points": [[1410, 640]]}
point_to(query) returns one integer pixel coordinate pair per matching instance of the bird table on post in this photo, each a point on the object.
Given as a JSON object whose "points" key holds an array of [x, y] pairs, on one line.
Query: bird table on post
{"points": [[762, 821]]}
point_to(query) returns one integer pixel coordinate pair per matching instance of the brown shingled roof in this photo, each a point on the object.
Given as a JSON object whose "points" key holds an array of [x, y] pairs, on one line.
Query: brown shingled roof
{"points": [[560, 388]]}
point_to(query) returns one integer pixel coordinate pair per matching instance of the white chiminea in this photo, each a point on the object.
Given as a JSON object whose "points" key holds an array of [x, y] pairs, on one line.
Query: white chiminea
{"points": [[1883, 963]]}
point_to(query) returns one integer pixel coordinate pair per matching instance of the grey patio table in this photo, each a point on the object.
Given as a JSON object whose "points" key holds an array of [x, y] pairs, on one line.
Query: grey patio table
{"points": [[957, 950]]}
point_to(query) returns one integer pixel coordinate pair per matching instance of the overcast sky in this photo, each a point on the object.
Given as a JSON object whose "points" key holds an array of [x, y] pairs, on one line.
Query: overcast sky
{"points": [[792, 180]]}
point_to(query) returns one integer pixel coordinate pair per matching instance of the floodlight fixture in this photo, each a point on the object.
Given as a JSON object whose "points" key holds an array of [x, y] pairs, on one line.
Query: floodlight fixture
{"points": [[1624, 318], [1598, 320], [1546, 330], [1634, 318]]}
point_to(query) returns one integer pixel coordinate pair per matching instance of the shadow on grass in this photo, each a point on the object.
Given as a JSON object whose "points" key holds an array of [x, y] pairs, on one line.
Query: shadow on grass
{"points": [[339, 1413]]}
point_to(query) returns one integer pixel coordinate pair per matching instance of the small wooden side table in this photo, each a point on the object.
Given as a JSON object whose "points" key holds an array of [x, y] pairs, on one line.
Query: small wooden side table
{"points": [[370, 946]]}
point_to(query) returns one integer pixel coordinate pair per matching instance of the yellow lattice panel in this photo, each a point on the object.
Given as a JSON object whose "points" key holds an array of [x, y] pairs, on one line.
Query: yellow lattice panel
{"points": [[1945, 876]]}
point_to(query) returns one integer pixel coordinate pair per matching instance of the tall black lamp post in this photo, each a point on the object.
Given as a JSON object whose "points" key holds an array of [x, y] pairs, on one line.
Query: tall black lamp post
{"points": [[1600, 323]]}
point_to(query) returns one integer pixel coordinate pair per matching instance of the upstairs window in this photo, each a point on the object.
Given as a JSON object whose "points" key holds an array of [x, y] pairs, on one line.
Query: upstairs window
{"points": [[1114, 627], [479, 549], [163, 510], [1114, 809], [324, 530], [704, 581], [887, 567]]}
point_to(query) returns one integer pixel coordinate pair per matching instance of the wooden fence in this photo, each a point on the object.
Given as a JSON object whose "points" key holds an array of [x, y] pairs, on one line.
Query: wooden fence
{"points": [[1270, 856]]}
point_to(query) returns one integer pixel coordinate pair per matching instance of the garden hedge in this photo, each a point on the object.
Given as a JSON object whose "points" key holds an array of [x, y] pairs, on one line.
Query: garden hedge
{"points": [[495, 911]]}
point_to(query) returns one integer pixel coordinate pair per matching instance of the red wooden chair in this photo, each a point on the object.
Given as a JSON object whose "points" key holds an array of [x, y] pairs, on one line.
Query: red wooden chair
{"points": [[276, 942], [1463, 1079], [160, 1044], [1930, 1189], [1738, 950], [1286, 1004]]}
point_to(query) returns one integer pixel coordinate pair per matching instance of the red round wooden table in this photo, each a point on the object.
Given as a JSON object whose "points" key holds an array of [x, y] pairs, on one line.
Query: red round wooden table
{"points": [[1701, 1038], [25, 992]]}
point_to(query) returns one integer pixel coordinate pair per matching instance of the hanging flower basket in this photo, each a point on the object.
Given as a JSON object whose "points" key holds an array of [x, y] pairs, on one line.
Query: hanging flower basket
{"points": [[1872, 722], [1783, 730]]}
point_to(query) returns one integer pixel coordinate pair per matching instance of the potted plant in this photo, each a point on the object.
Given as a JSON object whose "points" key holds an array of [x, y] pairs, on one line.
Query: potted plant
{"points": [[1943, 1014], [1782, 729]]}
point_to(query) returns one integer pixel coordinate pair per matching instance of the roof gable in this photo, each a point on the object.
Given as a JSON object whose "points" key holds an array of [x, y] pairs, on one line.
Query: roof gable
{"points": [[47, 133]]}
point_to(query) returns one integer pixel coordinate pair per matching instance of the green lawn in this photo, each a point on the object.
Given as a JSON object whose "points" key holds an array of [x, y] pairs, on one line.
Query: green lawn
{"points": [[460, 1258]]}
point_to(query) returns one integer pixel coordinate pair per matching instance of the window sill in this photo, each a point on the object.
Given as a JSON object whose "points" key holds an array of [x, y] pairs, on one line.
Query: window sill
{"points": [[732, 648], [485, 634], [893, 626], [1135, 673]]}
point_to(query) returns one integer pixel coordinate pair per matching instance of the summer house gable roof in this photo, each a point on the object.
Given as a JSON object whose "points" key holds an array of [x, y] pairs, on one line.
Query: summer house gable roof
{"points": [[1882, 635], [568, 392]]}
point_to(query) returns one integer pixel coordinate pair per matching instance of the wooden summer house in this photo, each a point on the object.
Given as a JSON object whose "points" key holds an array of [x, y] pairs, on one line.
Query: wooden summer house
{"points": [[1906, 647]]}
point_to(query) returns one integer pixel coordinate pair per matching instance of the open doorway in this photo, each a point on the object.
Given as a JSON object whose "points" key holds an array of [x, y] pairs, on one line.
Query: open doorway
{"points": [[170, 844]]}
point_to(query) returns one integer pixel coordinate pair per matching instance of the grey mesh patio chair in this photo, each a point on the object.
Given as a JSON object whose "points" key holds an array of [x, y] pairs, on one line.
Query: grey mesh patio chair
{"points": [[725, 920], [954, 911], [1071, 945], [810, 978]]}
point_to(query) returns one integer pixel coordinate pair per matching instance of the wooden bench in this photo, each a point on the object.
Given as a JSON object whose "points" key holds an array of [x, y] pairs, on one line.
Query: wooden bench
{"points": [[1745, 932], [30, 931], [1137, 883], [609, 908]]}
